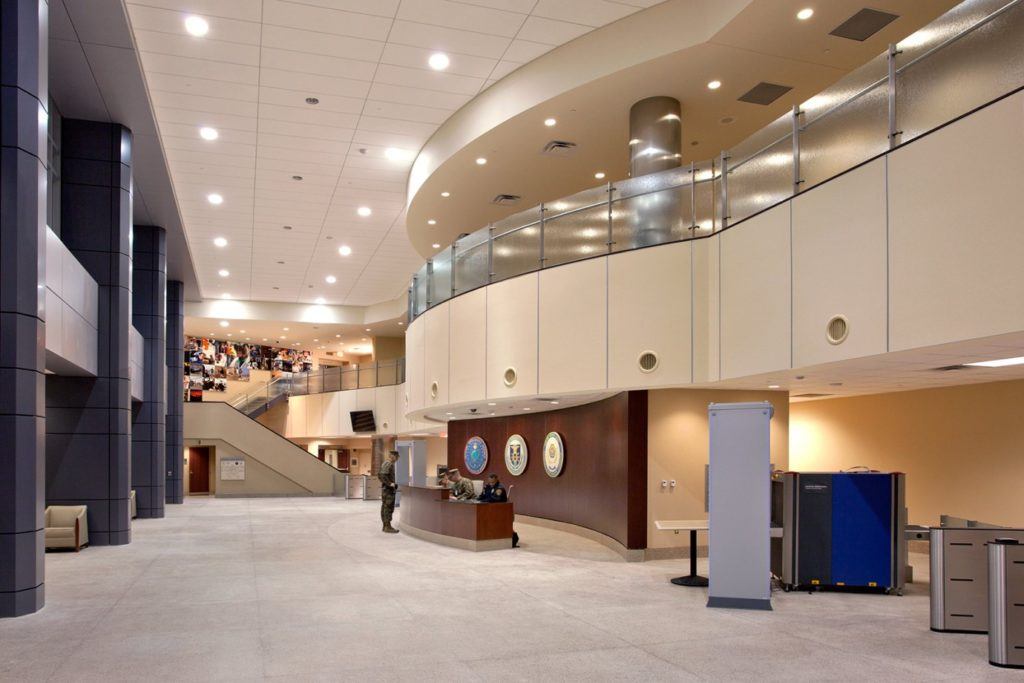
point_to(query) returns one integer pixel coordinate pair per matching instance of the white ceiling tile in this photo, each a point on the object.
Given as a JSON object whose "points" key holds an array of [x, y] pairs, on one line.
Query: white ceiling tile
{"points": [[325, 20], [328, 45], [416, 58], [504, 68], [461, 16], [524, 50], [313, 84], [203, 118], [382, 8], [418, 96], [203, 87], [447, 39], [521, 6], [187, 66], [542, 30], [170, 18], [200, 103], [233, 9], [184, 45], [304, 62], [428, 80], [591, 13]]}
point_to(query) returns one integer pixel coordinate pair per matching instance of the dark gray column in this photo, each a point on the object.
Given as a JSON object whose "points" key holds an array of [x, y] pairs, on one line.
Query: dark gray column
{"points": [[149, 306], [23, 101], [175, 392], [88, 426]]}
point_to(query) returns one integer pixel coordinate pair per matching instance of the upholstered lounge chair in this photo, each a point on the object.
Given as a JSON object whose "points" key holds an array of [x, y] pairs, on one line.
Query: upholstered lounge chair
{"points": [[66, 527]]}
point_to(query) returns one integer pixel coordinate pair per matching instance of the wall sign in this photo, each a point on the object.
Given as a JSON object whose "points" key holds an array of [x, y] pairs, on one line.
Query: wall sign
{"points": [[554, 454], [515, 455], [232, 469], [475, 455]]}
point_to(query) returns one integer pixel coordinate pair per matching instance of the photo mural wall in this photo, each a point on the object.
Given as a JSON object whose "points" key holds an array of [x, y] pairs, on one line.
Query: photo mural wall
{"points": [[600, 480]]}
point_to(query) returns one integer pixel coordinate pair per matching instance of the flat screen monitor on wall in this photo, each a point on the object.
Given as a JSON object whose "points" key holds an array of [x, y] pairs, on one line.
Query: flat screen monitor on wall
{"points": [[362, 421]]}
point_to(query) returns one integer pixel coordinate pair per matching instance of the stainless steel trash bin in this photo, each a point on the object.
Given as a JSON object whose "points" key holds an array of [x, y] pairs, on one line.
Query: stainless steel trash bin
{"points": [[1006, 603]]}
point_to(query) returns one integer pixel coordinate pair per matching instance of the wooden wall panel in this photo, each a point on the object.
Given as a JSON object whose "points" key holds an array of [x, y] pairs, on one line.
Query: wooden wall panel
{"points": [[604, 484]]}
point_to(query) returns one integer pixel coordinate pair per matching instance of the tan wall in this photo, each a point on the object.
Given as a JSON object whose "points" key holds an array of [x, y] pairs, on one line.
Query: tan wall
{"points": [[960, 447], [260, 480], [437, 453], [677, 448], [388, 348]]}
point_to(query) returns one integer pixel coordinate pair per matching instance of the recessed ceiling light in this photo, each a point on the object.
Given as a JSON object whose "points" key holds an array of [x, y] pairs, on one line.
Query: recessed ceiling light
{"points": [[714, 85], [208, 133], [197, 26], [320, 300], [312, 100], [330, 279], [224, 323], [364, 211], [241, 331], [396, 154], [431, 222], [364, 338], [773, 386], [344, 250], [296, 177], [367, 329], [436, 245], [220, 242], [230, 335], [599, 175], [480, 161], [400, 323], [492, 404], [285, 329], [550, 122], [215, 199], [525, 408], [338, 335], [283, 337], [223, 272], [264, 339], [225, 296], [635, 141], [446, 194], [439, 61], [998, 363], [805, 14]]}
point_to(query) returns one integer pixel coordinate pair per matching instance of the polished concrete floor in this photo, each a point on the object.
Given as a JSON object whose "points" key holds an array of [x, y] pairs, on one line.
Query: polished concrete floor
{"points": [[304, 589]]}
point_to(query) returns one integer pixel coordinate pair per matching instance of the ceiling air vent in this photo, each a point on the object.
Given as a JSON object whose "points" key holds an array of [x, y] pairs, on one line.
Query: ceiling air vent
{"points": [[864, 24], [506, 199], [559, 148], [811, 395], [765, 93]]}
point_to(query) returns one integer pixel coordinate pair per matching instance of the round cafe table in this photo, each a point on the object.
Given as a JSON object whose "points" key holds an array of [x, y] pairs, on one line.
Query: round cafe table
{"points": [[693, 526]]}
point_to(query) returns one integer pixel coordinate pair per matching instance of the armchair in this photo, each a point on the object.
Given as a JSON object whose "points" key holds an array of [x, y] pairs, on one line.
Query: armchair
{"points": [[66, 527]]}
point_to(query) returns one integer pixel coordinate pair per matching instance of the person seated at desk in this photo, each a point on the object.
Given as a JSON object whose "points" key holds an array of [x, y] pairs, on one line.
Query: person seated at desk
{"points": [[494, 492], [462, 488]]}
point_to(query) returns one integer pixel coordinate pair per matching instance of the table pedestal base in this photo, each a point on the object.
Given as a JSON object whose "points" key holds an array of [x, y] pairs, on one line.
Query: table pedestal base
{"points": [[693, 580]]}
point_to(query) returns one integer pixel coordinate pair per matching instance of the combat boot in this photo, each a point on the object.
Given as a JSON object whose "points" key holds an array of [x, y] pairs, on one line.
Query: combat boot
{"points": [[388, 529]]}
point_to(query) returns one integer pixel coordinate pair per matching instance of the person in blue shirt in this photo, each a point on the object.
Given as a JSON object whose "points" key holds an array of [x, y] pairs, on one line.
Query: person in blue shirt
{"points": [[494, 492]]}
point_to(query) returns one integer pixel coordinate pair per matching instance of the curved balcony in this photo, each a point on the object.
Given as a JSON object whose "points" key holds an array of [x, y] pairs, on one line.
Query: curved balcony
{"points": [[963, 60]]}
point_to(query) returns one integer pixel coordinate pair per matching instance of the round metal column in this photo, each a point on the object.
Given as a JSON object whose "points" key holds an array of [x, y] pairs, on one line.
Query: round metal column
{"points": [[655, 135]]}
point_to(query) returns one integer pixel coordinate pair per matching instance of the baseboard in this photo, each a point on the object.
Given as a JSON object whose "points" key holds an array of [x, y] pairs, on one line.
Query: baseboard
{"points": [[679, 552]]}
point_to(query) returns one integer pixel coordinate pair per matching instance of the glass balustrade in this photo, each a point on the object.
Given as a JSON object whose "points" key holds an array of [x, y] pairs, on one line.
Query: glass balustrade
{"points": [[963, 60]]}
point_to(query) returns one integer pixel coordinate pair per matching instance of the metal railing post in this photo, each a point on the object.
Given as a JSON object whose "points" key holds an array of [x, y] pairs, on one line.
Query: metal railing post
{"points": [[430, 284], [453, 269], [490, 254], [693, 198], [723, 189], [542, 258], [797, 180], [894, 134], [611, 240]]}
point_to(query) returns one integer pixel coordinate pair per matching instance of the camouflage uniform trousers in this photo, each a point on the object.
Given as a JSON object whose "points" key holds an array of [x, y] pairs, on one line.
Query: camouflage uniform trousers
{"points": [[387, 505]]}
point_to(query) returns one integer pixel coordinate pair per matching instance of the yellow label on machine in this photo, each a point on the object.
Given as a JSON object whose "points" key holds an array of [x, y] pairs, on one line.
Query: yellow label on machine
{"points": [[815, 582], [840, 583], [873, 584]]}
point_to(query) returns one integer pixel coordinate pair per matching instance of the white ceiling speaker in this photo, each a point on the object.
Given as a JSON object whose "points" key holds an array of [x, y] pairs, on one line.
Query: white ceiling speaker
{"points": [[510, 376], [648, 361], [837, 329]]}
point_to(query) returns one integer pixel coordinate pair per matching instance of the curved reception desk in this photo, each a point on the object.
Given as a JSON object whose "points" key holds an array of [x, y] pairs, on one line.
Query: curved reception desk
{"points": [[427, 513]]}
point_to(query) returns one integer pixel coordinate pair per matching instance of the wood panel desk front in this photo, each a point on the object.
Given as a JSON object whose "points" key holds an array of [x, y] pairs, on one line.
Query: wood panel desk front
{"points": [[426, 512]]}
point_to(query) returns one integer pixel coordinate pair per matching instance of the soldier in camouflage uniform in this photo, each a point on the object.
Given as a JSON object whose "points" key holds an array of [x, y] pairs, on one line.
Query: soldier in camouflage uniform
{"points": [[388, 489], [462, 488]]}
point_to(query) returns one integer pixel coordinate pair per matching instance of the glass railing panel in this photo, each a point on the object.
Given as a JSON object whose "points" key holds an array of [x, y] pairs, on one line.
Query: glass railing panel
{"points": [[421, 290], [846, 88], [517, 220], [652, 182], [952, 23], [332, 379], [471, 267], [756, 143], [387, 374], [349, 378], [575, 236], [761, 181], [653, 218], [706, 199], [367, 375], [581, 200], [441, 277], [844, 137], [962, 75], [516, 252]]}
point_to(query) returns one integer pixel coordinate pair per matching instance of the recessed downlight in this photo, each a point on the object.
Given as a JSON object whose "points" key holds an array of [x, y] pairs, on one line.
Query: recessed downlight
{"points": [[480, 161], [439, 61], [599, 175], [220, 242], [208, 133], [446, 194], [344, 250], [215, 199], [330, 279], [431, 222], [773, 386], [549, 122], [223, 272], [197, 26], [714, 85], [224, 323], [436, 245], [364, 211], [805, 14]]}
